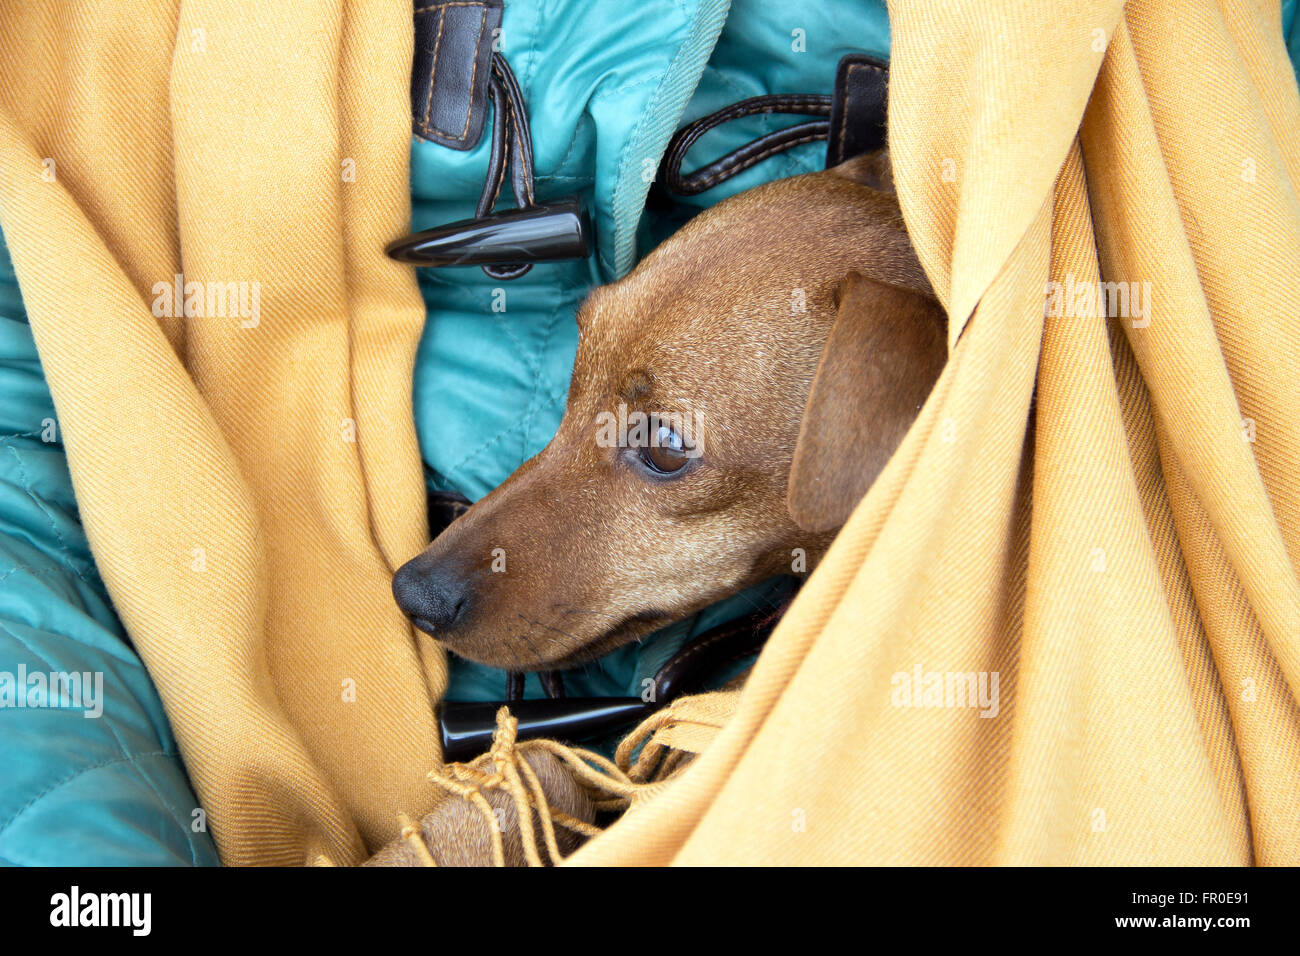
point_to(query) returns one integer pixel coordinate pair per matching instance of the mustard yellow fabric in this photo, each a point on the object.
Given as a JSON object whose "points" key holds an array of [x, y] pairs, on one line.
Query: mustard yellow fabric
{"points": [[1104, 513], [246, 488]]}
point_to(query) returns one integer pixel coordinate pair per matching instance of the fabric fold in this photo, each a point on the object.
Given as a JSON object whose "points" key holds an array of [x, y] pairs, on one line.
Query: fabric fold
{"points": [[1120, 552], [230, 357]]}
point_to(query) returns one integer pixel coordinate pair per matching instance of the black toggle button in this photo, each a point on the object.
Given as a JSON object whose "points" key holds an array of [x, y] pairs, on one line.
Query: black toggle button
{"points": [[559, 230]]}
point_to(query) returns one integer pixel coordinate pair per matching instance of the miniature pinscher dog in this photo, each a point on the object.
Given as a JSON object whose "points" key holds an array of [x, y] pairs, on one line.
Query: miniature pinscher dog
{"points": [[732, 399]]}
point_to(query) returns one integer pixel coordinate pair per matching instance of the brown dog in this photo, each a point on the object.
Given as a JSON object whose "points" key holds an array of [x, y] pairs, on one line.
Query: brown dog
{"points": [[732, 400]]}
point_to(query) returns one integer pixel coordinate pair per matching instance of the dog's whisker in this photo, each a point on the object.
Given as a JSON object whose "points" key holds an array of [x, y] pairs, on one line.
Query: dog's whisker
{"points": [[557, 630], [529, 641], [511, 650], [528, 637]]}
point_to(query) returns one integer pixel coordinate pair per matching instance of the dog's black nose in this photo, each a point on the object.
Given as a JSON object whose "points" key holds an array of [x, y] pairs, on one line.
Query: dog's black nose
{"points": [[431, 595]]}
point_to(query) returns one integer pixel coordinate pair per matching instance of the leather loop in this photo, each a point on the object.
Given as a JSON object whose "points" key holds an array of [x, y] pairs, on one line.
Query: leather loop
{"points": [[858, 111], [512, 146], [853, 123], [751, 153], [451, 69], [512, 143]]}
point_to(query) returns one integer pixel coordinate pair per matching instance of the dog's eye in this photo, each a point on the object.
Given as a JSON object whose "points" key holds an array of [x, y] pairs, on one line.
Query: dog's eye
{"points": [[667, 452]]}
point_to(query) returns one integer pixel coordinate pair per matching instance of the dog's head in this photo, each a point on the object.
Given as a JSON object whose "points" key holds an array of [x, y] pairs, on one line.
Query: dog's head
{"points": [[732, 400]]}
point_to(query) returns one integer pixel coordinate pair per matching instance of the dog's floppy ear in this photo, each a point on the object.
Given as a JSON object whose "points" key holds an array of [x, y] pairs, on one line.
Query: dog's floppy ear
{"points": [[885, 352], [868, 169]]}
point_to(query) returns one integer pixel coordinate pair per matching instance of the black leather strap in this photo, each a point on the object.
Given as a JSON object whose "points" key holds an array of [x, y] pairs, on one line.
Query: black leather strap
{"points": [[452, 69], [751, 153], [854, 123], [512, 146], [858, 108]]}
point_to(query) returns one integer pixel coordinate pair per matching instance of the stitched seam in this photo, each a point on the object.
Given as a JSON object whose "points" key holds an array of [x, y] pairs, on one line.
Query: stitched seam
{"points": [[64, 781], [58, 535], [506, 431], [127, 756], [536, 400], [791, 163], [736, 168], [174, 811], [774, 102], [425, 125], [573, 144], [848, 100], [632, 85], [522, 423], [441, 6], [534, 405], [433, 72], [503, 115], [177, 815], [473, 74], [36, 651], [58, 573], [530, 59], [848, 108]]}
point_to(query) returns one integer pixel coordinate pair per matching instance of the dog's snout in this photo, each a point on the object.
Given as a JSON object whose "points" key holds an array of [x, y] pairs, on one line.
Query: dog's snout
{"points": [[433, 596]]}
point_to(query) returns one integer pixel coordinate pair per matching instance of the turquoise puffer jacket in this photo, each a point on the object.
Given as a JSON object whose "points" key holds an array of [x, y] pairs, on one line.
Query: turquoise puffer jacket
{"points": [[102, 783], [606, 85]]}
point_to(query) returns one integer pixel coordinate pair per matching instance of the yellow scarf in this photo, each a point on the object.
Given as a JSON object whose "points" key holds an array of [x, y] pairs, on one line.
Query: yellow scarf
{"points": [[247, 479], [1104, 514]]}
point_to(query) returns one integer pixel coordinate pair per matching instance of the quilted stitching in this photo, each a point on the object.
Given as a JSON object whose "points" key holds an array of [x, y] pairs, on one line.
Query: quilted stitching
{"points": [[56, 616]]}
